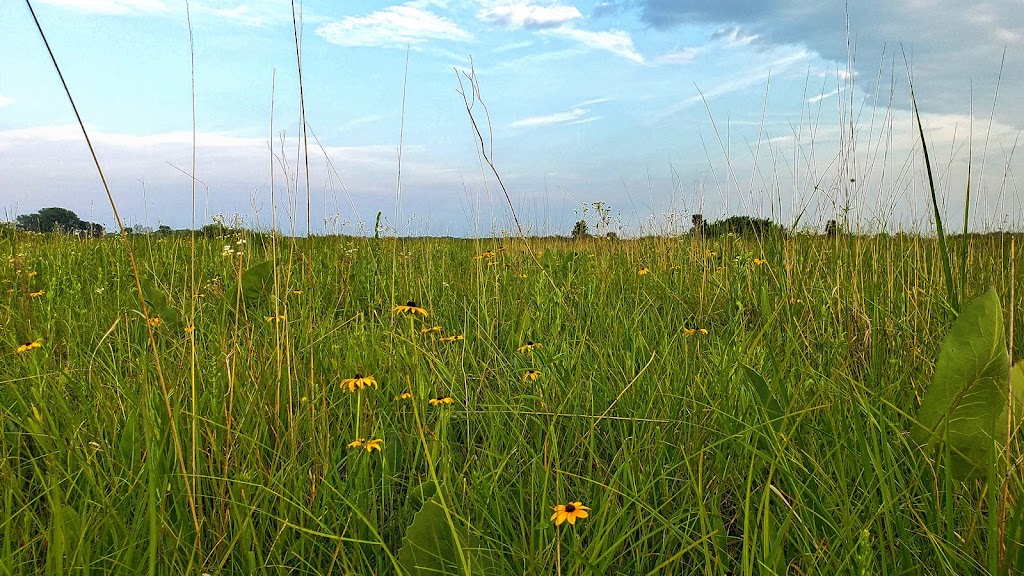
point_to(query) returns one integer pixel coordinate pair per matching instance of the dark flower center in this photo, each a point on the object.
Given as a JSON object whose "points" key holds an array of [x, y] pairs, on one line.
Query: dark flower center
{"points": [[570, 508], [410, 304], [529, 342]]}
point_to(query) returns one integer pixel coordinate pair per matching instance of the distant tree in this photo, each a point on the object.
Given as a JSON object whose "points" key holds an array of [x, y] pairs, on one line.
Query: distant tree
{"points": [[214, 230], [744, 226], [611, 236], [164, 230], [831, 228], [580, 230], [698, 225], [50, 220]]}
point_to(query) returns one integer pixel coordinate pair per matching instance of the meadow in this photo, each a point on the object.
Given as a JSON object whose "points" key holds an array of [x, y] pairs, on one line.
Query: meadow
{"points": [[727, 405]]}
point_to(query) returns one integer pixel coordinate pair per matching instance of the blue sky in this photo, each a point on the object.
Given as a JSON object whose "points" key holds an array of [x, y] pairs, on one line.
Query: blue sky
{"points": [[656, 108]]}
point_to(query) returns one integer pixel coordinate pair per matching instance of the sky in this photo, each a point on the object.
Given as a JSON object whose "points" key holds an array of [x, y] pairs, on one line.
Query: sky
{"points": [[652, 110]]}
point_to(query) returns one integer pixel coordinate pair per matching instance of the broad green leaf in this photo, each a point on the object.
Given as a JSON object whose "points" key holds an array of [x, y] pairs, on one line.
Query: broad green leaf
{"points": [[1017, 403], [431, 548], [968, 394], [258, 281], [763, 393], [158, 305], [257, 284]]}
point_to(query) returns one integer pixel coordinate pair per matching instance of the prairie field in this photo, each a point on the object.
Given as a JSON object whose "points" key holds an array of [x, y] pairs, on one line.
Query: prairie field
{"points": [[260, 404]]}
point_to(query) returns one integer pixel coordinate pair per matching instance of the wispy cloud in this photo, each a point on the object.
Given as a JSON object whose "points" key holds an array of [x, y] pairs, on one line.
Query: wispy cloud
{"points": [[248, 13], [617, 42], [684, 56], [111, 7], [820, 97], [526, 15], [395, 26], [740, 81], [5, 100], [578, 114], [558, 118], [594, 101]]}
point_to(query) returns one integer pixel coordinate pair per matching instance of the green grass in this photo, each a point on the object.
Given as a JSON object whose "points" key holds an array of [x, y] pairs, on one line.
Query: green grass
{"points": [[658, 432]]}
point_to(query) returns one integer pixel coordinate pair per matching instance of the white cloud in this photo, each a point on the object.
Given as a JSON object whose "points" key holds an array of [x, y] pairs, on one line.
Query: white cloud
{"points": [[393, 26], [617, 42], [739, 81], [5, 100], [572, 116], [825, 95], [526, 15], [684, 56], [111, 7]]}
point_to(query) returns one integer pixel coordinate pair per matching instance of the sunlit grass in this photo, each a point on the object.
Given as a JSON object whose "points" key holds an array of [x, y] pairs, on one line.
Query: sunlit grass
{"points": [[374, 367]]}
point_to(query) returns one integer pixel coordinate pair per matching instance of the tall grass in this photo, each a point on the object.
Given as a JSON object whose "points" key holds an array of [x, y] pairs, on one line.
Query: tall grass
{"points": [[658, 432], [742, 407]]}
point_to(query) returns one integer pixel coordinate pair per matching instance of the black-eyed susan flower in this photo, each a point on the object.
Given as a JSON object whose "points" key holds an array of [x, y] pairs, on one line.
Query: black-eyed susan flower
{"points": [[276, 318], [487, 254], [453, 338], [703, 331], [359, 382], [531, 375], [155, 321], [410, 307], [759, 261], [570, 512], [36, 294], [298, 292], [528, 347], [29, 346], [642, 272], [368, 445], [441, 401], [404, 396], [432, 329], [189, 329]]}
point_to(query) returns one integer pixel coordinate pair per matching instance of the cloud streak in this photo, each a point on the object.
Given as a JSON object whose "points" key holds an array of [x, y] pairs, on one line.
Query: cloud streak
{"points": [[395, 26], [110, 7], [570, 117], [617, 42], [526, 15]]}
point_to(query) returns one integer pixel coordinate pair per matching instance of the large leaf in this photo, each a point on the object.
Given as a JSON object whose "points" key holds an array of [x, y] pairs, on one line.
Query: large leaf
{"points": [[159, 307], [431, 548], [968, 395], [765, 400], [1013, 421], [257, 283]]}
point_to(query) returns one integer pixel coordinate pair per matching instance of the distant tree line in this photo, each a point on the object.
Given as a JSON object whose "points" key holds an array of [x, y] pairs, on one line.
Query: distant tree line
{"points": [[58, 220]]}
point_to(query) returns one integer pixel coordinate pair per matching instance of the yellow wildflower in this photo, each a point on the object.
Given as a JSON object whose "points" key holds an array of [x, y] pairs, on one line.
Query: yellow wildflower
{"points": [[359, 382], [570, 512], [410, 307], [453, 338], [36, 294], [531, 375], [528, 347], [29, 346], [368, 445], [442, 401]]}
